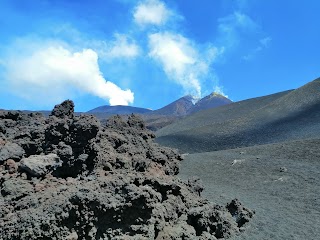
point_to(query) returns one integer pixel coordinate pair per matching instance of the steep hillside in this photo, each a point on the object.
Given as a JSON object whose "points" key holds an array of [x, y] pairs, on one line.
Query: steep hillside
{"points": [[220, 114], [295, 115]]}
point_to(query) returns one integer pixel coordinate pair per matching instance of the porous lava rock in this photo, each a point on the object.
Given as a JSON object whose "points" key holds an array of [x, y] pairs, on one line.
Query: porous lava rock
{"points": [[40, 165], [63, 110], [72, 178]]}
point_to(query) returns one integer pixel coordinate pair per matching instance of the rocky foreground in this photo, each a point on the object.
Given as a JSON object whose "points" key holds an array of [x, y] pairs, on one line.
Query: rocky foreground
{"points": [[68, 177]]}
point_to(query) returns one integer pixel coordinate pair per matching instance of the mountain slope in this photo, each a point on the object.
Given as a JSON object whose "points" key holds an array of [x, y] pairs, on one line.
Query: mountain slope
{"points": [[179, 107], [291, 115], [188, 105], [220, 114]]}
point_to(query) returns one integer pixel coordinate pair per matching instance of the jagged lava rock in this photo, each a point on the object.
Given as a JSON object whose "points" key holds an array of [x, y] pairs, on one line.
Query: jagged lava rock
{"points": [[87, 181], [64, 110]]}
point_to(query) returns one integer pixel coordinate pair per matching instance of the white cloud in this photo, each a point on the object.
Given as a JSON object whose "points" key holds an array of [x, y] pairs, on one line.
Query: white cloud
{"points": [[53, 72], [181, 61], [239, 29], [120, 47], [152, 12], [234, 27]]}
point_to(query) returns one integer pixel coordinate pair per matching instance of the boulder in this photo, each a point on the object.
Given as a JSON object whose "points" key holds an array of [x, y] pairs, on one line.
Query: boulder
{"points": [[40, 165], [241, 214], [11, 151], [63, 110]]}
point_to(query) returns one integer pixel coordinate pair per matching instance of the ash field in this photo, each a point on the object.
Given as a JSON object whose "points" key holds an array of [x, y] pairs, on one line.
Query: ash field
{"points": [[264, 151]]}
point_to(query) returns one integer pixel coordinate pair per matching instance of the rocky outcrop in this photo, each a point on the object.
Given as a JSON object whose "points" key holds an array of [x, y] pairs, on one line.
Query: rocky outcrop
{"points": [[75, 179]]}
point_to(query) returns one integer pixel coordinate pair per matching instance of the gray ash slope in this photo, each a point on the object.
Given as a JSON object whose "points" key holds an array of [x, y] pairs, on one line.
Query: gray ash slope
{"points": [[220, 114], [279, 180], [68, 177], [286, 116], [264, 151]]}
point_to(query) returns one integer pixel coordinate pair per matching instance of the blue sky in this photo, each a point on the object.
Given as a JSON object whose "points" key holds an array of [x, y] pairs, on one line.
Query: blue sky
{"points": [[149, 53]]}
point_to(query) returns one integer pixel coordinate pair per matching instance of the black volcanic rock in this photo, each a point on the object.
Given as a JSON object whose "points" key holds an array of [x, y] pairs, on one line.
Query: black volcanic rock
{"points": [[79, 179], [65, 109]]}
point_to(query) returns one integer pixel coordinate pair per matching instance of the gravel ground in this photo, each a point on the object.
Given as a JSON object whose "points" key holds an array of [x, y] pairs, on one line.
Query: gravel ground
{"points": [[279, 181]]}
